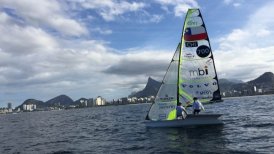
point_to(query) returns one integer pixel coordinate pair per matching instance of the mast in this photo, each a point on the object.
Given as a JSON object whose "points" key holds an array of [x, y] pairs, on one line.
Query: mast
{"points": [[178, 75], [179, 62]]}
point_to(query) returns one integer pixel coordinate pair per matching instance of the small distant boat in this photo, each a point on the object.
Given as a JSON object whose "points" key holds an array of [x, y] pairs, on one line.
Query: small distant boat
{"points": [[191, 73]]}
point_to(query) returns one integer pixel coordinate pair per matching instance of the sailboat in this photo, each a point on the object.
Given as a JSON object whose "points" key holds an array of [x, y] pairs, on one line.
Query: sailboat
{"points": [[191, 73]]}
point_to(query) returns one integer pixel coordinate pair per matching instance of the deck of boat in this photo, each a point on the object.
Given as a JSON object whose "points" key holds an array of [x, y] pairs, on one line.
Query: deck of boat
{"points": [[191, 120]]}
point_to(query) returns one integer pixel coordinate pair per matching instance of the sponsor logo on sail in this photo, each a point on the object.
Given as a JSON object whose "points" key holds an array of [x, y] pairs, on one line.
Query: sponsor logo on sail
{"points": [[203, 85], [188, 55], [166, 98], [191, 44], [195, 12], [199, 72], [162, 116], [194, 21], [166, 106], [203, 51], [204, 92]]}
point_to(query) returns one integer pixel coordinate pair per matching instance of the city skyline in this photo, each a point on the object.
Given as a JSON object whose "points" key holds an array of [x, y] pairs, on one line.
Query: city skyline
{"points": [[109, 48]]}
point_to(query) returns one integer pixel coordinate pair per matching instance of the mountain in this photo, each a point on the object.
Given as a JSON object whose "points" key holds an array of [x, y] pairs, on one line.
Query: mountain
{"points": [[230, 84], [38, 103], [60, 100], [235, 80], [77, 102], [226, 85], [263, 81], [151, 89], [83, 102]]}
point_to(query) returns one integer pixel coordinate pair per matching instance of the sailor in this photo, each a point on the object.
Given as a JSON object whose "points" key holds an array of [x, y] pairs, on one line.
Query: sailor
{"points": [[180, 111], [197, 106]]}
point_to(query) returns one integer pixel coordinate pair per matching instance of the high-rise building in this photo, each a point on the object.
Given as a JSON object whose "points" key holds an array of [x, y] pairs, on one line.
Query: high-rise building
{"points": [[9, 105], [90, 102], [24, 107], [100, 101], [29, 107]]}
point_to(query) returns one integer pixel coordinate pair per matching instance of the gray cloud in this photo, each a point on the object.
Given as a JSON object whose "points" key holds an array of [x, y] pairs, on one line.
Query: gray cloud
{"points": [[136, 67]]}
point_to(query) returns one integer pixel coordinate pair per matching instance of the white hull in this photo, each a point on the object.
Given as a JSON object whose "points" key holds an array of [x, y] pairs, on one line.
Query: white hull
{"points": [[191, 120]]}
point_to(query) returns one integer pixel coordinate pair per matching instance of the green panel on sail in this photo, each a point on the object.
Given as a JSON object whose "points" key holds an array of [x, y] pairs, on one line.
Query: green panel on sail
{"points": [[166, 98], [197, 74]]}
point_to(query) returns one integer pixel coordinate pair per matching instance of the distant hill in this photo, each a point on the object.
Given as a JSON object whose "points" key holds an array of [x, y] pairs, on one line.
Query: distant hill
{"points": [[77, 102], [38, 103], [151, 89], [226, 85], [80, 102], [235, 80], [60, 100], [265, 81]]}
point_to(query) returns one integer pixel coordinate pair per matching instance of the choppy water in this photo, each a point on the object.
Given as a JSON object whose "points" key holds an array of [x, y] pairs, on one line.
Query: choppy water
{"points": [[249, 128]]}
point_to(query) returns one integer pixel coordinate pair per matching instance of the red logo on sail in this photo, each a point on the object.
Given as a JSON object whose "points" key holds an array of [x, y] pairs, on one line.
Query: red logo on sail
{"points": [[195, 33]]}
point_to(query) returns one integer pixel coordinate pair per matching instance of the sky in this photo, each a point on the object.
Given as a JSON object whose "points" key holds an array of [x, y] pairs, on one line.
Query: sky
{"points": [[109, 48]]}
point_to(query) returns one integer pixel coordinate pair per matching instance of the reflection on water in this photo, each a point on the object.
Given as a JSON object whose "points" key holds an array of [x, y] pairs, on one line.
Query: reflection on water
{"points": [[190, 139], [248, 128]]}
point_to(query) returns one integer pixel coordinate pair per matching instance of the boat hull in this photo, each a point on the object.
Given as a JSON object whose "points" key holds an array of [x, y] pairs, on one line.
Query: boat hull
{"points": [[191, 120]]}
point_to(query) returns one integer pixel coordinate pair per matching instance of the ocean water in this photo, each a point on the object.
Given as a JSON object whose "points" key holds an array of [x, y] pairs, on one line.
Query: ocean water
{"points": [[248, 128]]}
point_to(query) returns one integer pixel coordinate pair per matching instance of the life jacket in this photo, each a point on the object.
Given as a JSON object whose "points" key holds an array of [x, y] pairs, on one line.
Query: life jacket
{"points": [[179, 111], [196, 105]]}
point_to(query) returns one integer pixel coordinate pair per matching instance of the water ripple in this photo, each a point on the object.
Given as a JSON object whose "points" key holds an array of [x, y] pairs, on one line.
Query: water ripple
{"points": [[248, 128]]}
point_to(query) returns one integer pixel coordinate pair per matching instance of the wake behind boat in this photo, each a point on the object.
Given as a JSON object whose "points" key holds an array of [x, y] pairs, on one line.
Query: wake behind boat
{"points": [[191, 73]]}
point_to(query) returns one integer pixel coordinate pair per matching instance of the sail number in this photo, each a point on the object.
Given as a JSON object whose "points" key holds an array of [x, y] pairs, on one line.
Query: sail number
{"points": [[191, 44], [204, 92], [203, 51]]}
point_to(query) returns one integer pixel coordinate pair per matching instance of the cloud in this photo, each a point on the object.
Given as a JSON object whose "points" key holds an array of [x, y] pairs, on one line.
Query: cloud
{"points": [[25, 40], [228, 1], [48, 50], [102, 31], [44, 65], [235, 3], [47, 13], [244, 63], [179, 7], [111, 9], [148, 63], [245, 53]]}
